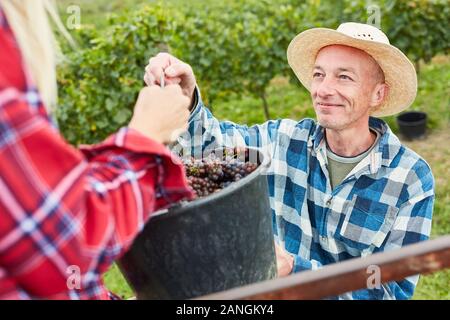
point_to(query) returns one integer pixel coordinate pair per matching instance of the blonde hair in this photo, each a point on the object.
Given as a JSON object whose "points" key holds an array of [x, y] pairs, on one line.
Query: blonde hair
{"points": [[30, 24]]}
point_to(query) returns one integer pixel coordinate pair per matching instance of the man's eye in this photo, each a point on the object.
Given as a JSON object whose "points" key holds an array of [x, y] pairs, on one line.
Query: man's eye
{"points": [[317, 75], [344, 77]]}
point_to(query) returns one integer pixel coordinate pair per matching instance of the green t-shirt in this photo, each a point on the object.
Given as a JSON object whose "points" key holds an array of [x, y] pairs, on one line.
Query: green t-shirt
{"points": [[339, 167]]}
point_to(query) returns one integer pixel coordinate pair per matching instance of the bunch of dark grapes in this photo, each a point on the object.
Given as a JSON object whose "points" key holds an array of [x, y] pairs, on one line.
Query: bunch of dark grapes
{"points": [[211, 174]]}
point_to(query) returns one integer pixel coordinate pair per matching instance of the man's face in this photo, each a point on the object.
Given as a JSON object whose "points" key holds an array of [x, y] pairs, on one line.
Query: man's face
{"points": [[344, 79]]}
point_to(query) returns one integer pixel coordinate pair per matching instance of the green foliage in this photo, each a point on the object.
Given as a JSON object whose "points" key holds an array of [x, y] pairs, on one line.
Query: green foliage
{"points": [[243, 52], [99, 87], [420, 28]]}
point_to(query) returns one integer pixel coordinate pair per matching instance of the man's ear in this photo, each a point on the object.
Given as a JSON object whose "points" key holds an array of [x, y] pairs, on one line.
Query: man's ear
{"points": [[379, 94]]}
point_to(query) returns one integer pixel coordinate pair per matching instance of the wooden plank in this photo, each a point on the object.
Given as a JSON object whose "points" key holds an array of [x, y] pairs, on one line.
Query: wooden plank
{"points": [[420, 258]]}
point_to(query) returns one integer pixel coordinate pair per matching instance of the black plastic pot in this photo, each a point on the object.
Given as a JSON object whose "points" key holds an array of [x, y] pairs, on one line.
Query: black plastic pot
{"points": [[215, 243], [412, 124]]}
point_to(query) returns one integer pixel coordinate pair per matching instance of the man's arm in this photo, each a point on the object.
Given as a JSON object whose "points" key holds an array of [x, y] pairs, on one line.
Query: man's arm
{"points": [[205, 132]]}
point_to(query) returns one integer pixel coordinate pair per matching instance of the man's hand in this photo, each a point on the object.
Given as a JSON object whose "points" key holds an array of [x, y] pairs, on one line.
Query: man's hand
{"points": [[174, 71], [285, 261]]}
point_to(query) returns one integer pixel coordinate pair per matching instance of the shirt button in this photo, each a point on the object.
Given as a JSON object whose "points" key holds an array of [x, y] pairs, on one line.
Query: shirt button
{"points": [[328, 202]]}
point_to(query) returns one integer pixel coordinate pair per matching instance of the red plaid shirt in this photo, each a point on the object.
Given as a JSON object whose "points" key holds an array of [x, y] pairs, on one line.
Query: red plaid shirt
{"points": [[62, 209]]}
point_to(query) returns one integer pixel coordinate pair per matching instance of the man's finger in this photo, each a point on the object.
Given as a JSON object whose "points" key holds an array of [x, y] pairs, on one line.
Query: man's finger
{"points": [[168, 59], [156, 71], [160, 59], [149, 79], [178, 70], [172, 80], [277, 247]]}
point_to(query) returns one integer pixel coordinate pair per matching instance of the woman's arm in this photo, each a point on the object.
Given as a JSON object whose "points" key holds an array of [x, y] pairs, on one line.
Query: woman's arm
{"points": [[60, 207]]}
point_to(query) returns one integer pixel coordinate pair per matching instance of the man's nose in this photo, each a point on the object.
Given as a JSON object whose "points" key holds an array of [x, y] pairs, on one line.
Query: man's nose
{"points": [[326, 87]]}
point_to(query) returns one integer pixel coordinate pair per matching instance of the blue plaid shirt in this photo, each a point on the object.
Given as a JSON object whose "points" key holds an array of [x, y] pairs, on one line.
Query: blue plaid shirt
{"points": [[385, 202]]}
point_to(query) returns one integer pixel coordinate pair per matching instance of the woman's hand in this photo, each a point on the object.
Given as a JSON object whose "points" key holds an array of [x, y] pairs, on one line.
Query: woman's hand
{"points": [[173, 70], [161, 113]]}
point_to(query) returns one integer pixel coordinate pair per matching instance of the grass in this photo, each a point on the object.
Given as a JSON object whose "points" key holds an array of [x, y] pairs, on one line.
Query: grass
{"points": [[288, 100], [116, 283], [436, 152]]}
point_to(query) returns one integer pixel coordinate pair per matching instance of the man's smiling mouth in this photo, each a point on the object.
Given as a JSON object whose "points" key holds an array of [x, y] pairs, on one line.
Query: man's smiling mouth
{"points": [[329, 105]]}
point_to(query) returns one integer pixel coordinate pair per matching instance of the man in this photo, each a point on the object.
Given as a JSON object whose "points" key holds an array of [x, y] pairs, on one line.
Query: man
{"points": [[344, 186]]}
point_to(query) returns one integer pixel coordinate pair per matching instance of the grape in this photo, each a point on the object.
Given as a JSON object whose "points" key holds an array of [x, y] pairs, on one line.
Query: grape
{"points": [[212, 174]]}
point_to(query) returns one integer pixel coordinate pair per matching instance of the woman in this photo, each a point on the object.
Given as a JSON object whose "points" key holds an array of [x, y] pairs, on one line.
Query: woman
{"points": [[63, 209]]}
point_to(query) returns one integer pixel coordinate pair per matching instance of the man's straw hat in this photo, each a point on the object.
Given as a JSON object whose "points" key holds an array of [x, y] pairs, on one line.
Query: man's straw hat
{"points": [[399, 72]]}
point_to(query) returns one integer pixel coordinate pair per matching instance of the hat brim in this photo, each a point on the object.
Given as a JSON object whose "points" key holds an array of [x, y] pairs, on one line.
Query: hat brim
{"points": [[400, 74]]}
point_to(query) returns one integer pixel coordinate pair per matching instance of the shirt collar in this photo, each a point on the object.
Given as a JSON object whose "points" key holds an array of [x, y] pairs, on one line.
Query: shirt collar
{"points": [[388, 145]]}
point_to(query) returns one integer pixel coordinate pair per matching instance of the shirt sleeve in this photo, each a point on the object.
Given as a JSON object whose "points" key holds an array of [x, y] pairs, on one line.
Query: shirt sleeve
{"points": [[206, 133], [61, 207]]}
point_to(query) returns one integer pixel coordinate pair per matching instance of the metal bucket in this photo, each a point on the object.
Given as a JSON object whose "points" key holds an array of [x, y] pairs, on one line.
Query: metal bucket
{"points": [[215, 243]]}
